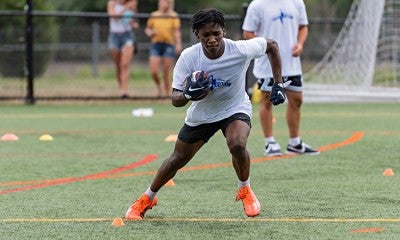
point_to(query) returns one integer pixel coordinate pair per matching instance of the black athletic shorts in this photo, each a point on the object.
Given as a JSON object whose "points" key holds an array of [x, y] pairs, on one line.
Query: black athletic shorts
{"points": [[296, 84], [204, 132]]}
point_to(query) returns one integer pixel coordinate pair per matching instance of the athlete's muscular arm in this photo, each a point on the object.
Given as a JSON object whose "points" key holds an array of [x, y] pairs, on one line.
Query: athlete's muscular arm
{"points": [[275, 60], [273, 55], [301, 39], [178, 99]]}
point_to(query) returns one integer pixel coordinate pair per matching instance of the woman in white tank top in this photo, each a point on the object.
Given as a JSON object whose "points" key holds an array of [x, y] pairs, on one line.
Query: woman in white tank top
{"points": [[121, 39]]}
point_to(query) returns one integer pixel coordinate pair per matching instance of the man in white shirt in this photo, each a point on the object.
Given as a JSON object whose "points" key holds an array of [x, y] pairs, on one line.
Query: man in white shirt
{"points": [[286, 22], [223, 105]]}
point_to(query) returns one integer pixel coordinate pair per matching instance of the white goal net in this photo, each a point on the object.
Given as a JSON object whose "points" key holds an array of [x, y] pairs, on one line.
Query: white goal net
{"points": [[366, 53]]}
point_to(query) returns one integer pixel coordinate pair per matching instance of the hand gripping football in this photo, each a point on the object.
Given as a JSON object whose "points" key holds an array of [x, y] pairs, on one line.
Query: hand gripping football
{"points": [[197, 85]]}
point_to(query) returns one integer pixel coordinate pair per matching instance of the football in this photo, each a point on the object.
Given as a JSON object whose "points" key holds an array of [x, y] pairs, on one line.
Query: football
{"points": [[196, 85], [196, 74]]}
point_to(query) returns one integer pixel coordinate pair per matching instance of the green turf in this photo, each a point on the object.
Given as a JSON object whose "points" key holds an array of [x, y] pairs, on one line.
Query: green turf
{"points": [[305, 197]]}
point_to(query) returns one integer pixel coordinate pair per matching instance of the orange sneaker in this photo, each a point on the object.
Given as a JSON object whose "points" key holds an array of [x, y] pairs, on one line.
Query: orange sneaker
{"points": [[250, 202], [137, 210]]}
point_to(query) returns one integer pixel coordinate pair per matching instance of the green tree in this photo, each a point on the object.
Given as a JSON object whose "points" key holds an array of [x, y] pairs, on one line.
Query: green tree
{"points": [[328, 8], [181, 6], [81, 6], [316, 8], [12, 33]]}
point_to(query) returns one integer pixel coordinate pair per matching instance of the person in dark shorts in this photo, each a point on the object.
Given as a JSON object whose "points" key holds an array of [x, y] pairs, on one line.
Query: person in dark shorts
{"points": [[224, 104], [286, 22], [164, 30]]}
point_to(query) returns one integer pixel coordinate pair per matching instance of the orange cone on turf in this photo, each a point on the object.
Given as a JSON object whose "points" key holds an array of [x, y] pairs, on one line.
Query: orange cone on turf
{"points": [[9, 137], [388, 172], [170, 183], [171, 138], [118, 222]]}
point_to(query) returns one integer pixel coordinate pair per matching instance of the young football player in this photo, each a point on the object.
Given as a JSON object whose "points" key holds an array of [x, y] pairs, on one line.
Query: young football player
{"points": [[218, 102]]}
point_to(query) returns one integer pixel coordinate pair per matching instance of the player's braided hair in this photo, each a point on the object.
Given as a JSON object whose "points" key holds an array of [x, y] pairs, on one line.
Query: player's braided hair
{"points": [[208, 15]]}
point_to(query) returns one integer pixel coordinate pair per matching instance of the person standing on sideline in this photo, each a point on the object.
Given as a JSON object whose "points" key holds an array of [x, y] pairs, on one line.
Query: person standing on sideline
{"points": [[218, 102], [121, 39], [164, 30], [287, 23]]}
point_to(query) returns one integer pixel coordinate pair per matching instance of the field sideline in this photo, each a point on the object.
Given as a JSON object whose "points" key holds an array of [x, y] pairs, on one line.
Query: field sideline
{"points": [[102, 158]]}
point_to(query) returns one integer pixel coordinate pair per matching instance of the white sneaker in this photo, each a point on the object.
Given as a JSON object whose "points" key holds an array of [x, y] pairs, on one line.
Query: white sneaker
{"points": [[272, 149]]}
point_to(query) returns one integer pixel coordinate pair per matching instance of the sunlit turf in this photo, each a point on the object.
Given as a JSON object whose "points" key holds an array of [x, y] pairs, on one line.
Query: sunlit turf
{"points": [[339, 194]]}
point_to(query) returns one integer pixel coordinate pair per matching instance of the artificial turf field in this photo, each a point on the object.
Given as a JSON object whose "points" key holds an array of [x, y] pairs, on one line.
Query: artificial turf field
{"points": [[102, 158]]}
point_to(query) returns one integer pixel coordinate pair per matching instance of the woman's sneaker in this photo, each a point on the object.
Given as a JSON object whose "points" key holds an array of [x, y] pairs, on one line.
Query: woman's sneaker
{"points": [[302, 148], [272, 149]]}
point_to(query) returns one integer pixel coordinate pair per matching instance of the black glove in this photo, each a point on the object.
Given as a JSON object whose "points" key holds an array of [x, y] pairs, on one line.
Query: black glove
{"points": [[197, 87], [277, 94]]}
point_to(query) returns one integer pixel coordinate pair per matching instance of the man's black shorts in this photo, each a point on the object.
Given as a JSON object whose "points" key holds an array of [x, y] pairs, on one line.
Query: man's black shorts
{"points": [[295, 85], [204, 132]]}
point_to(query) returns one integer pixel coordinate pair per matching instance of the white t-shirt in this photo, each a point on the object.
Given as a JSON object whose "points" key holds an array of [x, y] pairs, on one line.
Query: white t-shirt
{"points": [[278, 20], [228, 95], [119, 25]]}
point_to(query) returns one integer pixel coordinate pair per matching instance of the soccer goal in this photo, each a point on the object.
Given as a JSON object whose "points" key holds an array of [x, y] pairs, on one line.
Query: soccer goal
{"points": [[366, 53]]}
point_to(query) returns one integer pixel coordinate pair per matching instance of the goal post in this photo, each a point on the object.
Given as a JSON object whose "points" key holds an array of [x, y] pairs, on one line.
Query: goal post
{"points": [[388, 55]]}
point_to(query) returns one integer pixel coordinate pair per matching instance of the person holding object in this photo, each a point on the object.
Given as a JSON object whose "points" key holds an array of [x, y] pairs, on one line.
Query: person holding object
{"points": [[211, 76], [164, 30], [121, 39], [286, 22]]}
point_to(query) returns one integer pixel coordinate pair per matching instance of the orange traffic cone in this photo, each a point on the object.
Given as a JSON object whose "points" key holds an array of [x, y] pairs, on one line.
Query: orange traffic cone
{"points": [[388, 172], [118, 222], [171, 138], [9, 137], [170, 183]]}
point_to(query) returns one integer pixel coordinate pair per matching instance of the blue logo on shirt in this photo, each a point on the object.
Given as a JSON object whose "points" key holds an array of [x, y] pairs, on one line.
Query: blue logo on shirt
{"points": [[282, 15], [218, 83]]}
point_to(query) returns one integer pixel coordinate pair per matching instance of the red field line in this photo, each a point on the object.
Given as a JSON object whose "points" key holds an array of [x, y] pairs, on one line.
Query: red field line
{"points": [[146, 160], [115, 173], [368, 230], [357, 136]]}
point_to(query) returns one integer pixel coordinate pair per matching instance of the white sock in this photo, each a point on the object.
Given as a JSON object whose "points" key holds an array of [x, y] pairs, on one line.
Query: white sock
{"points": [[294, 141], [269, 139], [150, 193], [243, 184]]}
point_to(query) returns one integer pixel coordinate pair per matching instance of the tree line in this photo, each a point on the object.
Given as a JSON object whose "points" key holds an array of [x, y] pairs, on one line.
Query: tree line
{"points": [[315, 8], [12, 28]]}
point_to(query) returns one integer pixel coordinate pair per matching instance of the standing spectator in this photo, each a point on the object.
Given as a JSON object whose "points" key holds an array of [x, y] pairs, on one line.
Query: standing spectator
{"points": [[219, 102], [287, 23], [121, 39], [164, 30]]}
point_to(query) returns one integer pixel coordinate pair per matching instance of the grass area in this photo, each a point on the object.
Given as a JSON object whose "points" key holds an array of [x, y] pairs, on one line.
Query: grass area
{"points": [[62, 189], [78, 79]]}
